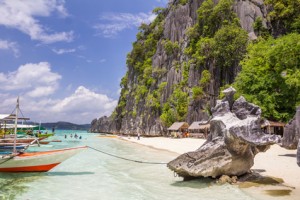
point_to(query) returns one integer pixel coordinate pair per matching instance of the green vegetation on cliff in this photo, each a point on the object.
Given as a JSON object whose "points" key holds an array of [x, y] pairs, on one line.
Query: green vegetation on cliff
{"points": [[217, 48], [140, 61], [284, 15], [217, 38], [270, 76]]}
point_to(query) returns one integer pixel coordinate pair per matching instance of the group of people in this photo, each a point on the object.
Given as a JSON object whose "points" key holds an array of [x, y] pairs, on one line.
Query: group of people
{"points": [[75, 136]]}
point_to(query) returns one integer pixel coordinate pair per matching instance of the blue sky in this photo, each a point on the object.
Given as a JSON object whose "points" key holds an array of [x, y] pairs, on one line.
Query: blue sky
{"points": [[65, 58]]}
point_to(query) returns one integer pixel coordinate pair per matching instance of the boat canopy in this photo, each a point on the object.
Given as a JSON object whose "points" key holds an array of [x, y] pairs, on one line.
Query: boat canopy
{"points": [[7, 117]]}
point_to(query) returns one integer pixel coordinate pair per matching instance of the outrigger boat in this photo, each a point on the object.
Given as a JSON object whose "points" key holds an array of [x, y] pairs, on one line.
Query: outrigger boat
{"points": [[21, 161], [36, 161]]}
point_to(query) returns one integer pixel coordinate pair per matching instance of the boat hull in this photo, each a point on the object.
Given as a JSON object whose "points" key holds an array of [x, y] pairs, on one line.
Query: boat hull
{"points": [[37, 161]]}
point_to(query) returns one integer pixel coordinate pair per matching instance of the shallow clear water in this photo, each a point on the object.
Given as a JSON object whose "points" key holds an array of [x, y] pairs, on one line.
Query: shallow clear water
{"points": [[92, 175]]}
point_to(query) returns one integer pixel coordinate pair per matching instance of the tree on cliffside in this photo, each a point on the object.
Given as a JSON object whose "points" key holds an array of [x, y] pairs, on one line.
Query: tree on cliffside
{"points": [[270, 76], [284, 16]]}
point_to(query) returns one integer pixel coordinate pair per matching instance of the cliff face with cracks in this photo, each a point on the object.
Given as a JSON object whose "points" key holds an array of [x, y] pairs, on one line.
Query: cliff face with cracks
{"points": [[172, 75]]}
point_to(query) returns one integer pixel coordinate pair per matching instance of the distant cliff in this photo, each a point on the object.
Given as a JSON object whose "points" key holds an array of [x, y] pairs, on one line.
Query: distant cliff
{"points": [[66, 126], [180, 61]]}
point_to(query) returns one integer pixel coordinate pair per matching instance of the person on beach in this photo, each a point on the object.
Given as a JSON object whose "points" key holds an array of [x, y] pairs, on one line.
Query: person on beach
{"points": [[65, 136], [138, 136]]}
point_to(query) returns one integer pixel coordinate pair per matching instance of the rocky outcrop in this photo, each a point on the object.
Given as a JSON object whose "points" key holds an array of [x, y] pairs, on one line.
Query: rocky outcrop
{"points": [[291, 132], [248, 11], [178, 19], [100, 126], [298, 154], [232, 143]]}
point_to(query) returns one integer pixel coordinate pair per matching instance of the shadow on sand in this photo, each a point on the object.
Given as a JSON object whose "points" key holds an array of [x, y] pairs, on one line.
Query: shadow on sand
{"points": [[289, 155]]}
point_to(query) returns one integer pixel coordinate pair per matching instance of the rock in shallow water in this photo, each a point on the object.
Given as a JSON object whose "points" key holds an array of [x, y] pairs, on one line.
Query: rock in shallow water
{"points": [[231, 146]]}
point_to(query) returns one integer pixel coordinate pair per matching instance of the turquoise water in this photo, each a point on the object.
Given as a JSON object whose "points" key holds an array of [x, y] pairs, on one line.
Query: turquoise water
{"points": [[91, 175]]}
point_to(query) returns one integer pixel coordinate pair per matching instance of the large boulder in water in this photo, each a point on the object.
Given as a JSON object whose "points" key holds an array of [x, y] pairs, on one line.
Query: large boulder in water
{"points": [[232, 143]]}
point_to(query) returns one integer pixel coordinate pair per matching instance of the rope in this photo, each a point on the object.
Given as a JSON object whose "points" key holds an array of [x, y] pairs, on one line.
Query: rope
{"points": [[137, 161], [11, 157]]}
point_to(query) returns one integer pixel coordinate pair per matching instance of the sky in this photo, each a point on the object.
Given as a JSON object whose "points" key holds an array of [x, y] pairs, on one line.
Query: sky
{"points": [[65, 58]]}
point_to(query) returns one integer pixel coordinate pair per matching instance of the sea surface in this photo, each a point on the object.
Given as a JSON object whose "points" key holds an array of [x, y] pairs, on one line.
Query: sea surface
{"points": [[92, 175]]}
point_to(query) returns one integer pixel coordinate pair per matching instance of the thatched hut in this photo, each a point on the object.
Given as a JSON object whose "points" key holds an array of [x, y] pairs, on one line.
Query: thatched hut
{"points": [[271, 127], [199, 129], [178, 129]]}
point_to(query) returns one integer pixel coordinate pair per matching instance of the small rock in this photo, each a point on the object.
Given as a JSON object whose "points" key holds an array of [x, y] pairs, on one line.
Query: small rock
{"points": [[227, 179]]}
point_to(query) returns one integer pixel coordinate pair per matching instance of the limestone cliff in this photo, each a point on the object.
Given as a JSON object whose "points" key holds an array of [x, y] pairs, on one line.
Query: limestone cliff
{"points": [[173, 87]]}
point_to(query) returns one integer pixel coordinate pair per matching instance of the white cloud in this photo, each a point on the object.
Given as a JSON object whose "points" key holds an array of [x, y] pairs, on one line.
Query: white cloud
{"points": [[63, 51], [21, 15], [35, 82], [42, 91], [33, 79], [80, 107], [7, 45], [113, 23], [83, 100]]}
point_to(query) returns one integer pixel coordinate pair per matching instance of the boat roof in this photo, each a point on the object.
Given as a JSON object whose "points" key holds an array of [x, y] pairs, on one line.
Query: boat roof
{"points": [[21, 126], [7, 117]]}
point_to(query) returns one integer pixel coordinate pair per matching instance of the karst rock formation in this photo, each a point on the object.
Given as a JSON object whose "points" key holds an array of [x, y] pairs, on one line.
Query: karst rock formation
{"points": [[235, 138]]}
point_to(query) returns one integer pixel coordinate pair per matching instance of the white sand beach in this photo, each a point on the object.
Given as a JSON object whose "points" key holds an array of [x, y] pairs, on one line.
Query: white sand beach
{"points": [[276, 162]]}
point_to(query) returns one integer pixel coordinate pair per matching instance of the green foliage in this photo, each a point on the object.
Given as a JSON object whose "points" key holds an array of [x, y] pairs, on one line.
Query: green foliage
{"points": [[230, 45], [183, 2], [201, 51], [162, 86], [259, 28], [159, 72], [141, 91], [197, 92], [270, 76], [185, 74], [212, 17], [152, 101], [124, 81], [158, 10], [168, 117], [217, 37], [205, 78], [171, 47], [134, 112], [285, 14], [176, 107]]}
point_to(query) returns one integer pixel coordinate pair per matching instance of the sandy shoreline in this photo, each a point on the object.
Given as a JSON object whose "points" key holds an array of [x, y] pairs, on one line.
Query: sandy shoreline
{"points": [[276, 162]]}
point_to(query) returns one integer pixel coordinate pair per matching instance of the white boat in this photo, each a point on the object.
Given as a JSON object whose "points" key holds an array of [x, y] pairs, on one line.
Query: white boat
{"points": [[36, 161], [20, 161]]}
